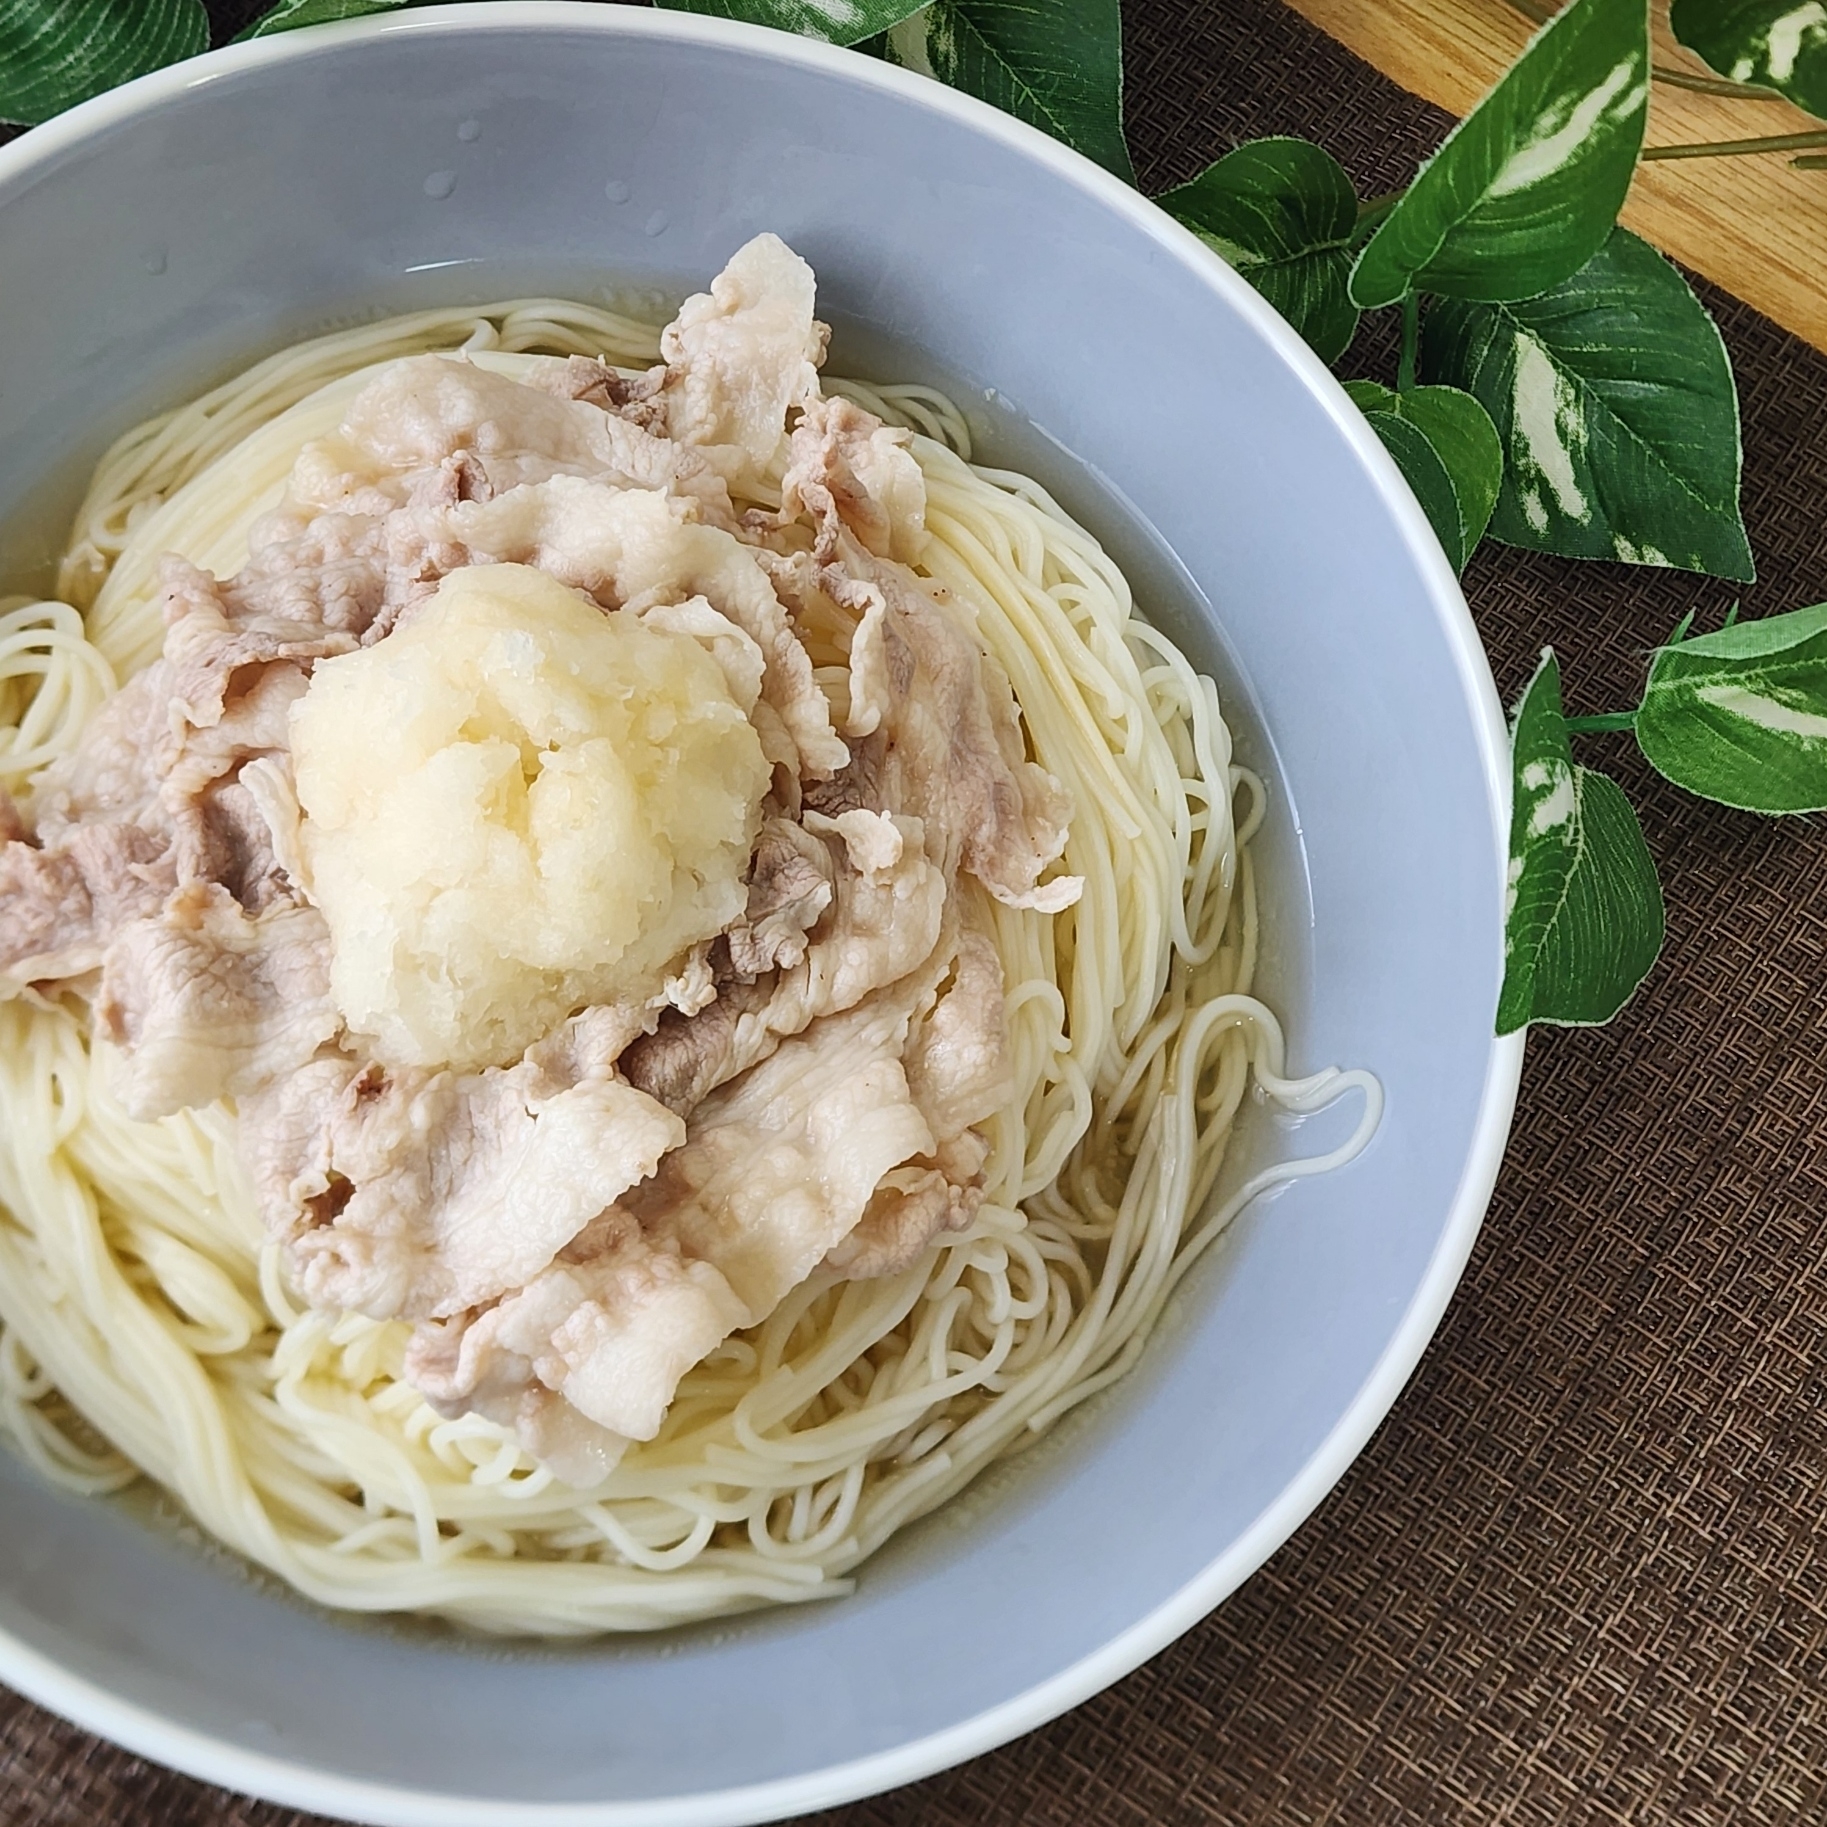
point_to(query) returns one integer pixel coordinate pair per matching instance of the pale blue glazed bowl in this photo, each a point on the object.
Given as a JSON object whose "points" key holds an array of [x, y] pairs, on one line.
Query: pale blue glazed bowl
{"points": [[154, 238]]}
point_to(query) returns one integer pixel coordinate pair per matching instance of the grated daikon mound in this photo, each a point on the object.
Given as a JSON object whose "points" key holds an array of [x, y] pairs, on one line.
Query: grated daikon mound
{"points": [[517, 806]]}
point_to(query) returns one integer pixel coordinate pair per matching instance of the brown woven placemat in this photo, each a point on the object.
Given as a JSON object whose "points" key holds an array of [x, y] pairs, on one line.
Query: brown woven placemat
{"points": [[1577, 1577]]}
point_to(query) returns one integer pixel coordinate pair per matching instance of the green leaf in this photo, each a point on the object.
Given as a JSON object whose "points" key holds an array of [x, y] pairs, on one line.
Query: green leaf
{"points": [[1528, 185], [1781, 44], [1460, 429], [288, 15], [1282, 212], [1425, 471], [1741, 716], [1056, 64], [1584, 922], [1439, 435], [847, 22], [840, 21], [56, 53], [1614, 400]]}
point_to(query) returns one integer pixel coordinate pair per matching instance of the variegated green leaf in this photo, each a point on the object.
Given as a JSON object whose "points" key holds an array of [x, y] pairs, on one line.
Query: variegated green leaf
{"points": [[1781, 44], [1741, 716], [1282, 212], [1527, 186], [1056, 64], [1614, 400], [1584, 921], [840, 21], [288, 15], [1446, 447], [1425, 472], [56, 53]]}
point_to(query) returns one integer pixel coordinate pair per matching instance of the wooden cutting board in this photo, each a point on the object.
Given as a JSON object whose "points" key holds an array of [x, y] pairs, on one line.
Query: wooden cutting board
{"points": [[1755, 225]]}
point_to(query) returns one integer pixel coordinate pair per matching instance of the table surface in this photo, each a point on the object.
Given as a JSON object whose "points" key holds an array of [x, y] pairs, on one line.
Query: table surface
{"points": [[1577, 1576]]}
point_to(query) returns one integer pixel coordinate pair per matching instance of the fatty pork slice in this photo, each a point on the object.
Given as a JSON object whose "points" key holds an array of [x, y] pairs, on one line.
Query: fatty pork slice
{"points": [[616, 1309], [230, 677], [224, 655], [218, 696], [95, 850], [791, 882], [423, 1194], [885, 921], [740, 356], [114, 774], [149, 803], [958, 1073], [849, 470], [778, 1168], [633, 548], [937, 735], [328, 570], [420, 413], [205, 1002], [60, 905], [635, 397]]}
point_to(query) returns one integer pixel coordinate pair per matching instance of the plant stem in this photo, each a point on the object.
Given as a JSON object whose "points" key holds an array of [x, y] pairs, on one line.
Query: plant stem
{"points": [[1606, 720], [1733, 149], [1371, 214], [1539, 12], [1411, 343], [1712, 85]]}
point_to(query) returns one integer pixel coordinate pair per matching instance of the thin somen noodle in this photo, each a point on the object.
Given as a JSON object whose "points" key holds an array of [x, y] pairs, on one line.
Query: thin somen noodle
{"points": [[148, 1325]]}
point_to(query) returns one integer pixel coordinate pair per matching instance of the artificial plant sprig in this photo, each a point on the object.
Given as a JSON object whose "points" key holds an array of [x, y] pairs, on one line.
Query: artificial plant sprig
{"points": [[56, 53], [1775, 44]]}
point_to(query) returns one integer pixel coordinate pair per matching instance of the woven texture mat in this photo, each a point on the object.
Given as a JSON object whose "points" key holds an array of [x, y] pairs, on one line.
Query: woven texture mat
{"points": [[1577, 1576]]}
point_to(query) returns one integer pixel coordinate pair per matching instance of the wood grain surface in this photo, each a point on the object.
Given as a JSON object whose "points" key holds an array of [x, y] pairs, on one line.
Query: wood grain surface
{"points": [[1755, 225]]}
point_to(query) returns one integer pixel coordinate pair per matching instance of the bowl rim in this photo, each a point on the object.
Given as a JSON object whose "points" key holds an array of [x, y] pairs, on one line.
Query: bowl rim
{"points": [[280, 1780]]}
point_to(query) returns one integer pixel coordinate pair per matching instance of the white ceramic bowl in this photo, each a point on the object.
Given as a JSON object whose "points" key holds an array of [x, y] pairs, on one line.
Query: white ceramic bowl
{"points": [[196, 218]]}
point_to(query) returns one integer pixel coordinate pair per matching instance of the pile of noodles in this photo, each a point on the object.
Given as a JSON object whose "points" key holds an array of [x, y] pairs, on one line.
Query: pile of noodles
{"points": [[146, 1327]]}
